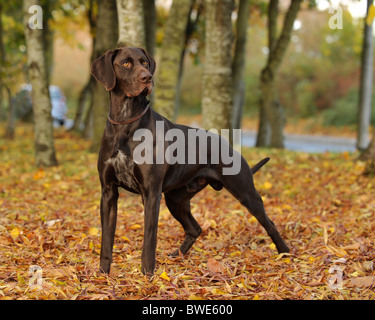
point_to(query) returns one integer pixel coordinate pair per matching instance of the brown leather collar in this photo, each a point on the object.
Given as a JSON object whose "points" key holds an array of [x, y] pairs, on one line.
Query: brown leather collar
{"points": [[130, 120]]}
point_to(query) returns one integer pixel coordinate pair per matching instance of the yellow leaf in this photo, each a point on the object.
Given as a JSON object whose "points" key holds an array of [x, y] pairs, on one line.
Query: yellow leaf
{"points": [[252, 219], [91, 245], [194, 297], [325, 234], [93, 231], [338, 251], [354, 274], [267, 185], [15, 232], [125, 238], [287, 206], [135, 226], [59, 259], [272, 246], [212, 223], [256, 297], [20, 278], [83, 236], [370, 15], [236, 253], [217, 291], [227, 287], [165, 276], [198, 249]]}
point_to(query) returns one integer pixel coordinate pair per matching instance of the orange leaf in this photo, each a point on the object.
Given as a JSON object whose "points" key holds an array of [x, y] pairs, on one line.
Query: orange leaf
{"points": [[215, 266], [39, 174]]}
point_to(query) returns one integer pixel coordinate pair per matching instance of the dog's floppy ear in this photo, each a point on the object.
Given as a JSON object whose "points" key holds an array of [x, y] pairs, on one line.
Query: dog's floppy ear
{"points": [[151, 61], [103, 71]]}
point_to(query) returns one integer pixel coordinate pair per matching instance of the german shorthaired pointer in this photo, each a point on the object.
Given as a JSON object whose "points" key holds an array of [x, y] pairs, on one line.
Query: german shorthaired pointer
{"points": [[127, 73]]}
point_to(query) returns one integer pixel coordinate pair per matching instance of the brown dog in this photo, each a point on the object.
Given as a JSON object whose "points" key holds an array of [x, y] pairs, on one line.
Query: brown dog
{"points": [[127, 74]]}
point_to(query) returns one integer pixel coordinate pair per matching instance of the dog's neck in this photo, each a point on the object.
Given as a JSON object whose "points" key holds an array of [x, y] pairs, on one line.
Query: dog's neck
{"points": [[123, 108]]}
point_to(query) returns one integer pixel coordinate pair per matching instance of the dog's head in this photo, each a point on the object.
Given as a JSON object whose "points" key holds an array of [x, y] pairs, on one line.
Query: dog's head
{"points": [[130, 69]]}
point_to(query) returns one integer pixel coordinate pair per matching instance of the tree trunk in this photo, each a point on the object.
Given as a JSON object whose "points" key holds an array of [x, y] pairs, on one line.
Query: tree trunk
{"points": [[149, 12], [48, 37], [44, 141], [217, 100], [369, 156], [130, 23], [269, 104], [170, 56], [2, 62], [365, 88], [369, 153], [190, 28], [264, 129], [83, 100], [239, 63], [106, 39], [86, 93], [9, 130]]}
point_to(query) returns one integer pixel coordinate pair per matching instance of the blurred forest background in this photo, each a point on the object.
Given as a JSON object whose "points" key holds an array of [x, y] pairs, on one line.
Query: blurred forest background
{"points": [[275, 67], [277, 61]]}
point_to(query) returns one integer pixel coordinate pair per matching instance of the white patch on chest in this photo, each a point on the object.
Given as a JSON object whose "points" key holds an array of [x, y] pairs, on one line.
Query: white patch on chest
{"points": [[124, 170]]}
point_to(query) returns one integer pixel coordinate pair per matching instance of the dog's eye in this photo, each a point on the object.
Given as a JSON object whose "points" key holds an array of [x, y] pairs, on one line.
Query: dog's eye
{"points": [[127, 64], [145, 63]]}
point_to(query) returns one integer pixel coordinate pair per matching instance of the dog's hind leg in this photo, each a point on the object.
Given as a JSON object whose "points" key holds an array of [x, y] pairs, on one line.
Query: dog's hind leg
{"points": [[178, 203], [241, 186]]}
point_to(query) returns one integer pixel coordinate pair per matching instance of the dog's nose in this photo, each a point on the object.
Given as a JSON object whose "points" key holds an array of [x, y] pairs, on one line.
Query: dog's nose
{"points": [[145, 77]]}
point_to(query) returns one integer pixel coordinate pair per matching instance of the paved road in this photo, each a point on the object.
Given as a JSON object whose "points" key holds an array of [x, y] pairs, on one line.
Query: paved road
{"points": [[311, 144], [294, 142]]}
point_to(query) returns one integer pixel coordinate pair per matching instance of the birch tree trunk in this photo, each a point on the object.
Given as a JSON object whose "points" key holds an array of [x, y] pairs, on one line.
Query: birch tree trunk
{"points": [[130, 23], [271, 110], [36, 63], [217, 100], [106, 39], [149, 15], [368, 154], [2, 62], [170, 56], [239, 63], [365, 88]]}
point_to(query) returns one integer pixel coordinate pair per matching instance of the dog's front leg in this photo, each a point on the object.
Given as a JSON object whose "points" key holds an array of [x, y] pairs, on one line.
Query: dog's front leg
{"points": [[108, 215], [151, 201]]}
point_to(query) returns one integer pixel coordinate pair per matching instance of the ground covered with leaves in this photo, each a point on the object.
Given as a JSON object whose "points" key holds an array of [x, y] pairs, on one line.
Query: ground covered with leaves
{"points": [[322, 204]]}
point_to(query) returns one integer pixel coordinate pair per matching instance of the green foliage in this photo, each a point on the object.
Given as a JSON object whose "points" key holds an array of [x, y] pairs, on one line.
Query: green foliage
{"points": [[322, 64], [13, 43], [320, 71], [344, 111]]}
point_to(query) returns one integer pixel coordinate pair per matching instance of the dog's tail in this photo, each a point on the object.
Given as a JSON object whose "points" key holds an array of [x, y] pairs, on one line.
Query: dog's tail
{"points": [[259, 165]]}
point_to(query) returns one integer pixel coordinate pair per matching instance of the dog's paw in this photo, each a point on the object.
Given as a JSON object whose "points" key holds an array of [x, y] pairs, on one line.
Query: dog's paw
{"points": [[176, 253]]}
